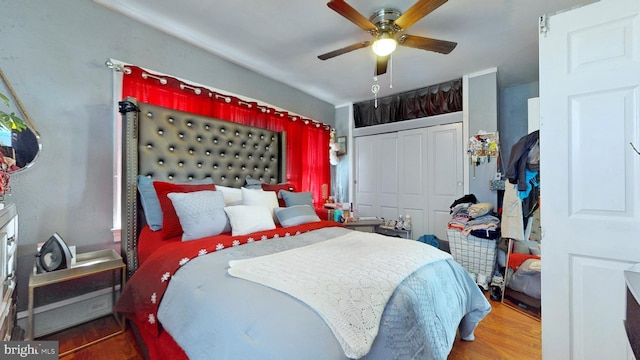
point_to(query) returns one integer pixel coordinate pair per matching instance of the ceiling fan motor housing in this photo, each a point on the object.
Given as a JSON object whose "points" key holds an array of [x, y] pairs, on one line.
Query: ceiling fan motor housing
{"points": [[384, 19]]}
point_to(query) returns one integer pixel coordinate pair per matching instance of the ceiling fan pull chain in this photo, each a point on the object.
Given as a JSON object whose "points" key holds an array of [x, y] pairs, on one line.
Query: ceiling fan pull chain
{"points": [[374, 89], [390, 71]]}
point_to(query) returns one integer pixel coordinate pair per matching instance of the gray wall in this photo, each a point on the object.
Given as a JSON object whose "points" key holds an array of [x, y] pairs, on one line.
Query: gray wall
{"points": [[507, 113], [483, 115], [53, 53], [513, 115]]}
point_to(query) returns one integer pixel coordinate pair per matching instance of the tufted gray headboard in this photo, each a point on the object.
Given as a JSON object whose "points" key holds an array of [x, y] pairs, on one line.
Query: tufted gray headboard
{"points": [[172, 145]]}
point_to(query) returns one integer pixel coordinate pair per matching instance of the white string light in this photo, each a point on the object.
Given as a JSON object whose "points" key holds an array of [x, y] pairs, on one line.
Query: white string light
{"points": [[162, 80], [196, 90]]}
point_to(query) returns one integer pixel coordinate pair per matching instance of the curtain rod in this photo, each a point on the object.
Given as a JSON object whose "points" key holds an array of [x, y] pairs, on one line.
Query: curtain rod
{"points": [[121, 66]]}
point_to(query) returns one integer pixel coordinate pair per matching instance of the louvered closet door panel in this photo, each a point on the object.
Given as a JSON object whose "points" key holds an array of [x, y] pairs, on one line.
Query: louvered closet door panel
{"points": [[414, 178]]}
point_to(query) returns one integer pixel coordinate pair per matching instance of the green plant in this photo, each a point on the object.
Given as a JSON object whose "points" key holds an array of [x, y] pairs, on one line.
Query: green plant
{"points": [[10, 121]]}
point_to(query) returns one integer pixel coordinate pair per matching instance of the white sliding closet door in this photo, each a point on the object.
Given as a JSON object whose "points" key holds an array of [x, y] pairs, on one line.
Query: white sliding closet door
{"points": [[376, 169], [414, 178], [412, 172], [446, 175]]}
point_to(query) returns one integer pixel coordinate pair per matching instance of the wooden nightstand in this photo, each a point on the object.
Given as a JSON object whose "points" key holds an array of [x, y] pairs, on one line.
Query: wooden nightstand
{"points": [[363, 225], [87, 264]]}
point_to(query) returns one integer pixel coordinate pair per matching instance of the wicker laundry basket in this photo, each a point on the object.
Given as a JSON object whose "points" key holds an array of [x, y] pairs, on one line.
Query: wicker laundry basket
{"points": [[476, 255]]}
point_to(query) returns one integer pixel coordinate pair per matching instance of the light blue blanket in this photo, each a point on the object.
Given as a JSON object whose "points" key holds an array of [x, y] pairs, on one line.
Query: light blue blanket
{"points": [[212, 315]]}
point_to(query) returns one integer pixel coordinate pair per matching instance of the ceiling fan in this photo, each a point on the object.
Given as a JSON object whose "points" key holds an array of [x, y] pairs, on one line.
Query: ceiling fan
{"points": [[387, 26]]}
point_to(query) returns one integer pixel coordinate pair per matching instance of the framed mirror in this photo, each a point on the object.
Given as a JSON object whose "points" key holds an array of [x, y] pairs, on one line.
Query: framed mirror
{"points": [[19, 148], [19, 140]]}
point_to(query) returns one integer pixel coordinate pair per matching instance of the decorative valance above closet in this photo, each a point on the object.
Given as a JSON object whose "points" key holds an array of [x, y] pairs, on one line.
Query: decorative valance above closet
{"points": [[428, 101]]}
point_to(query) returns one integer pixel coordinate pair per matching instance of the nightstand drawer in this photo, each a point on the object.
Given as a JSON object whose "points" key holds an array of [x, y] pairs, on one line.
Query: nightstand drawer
{"points": [[363, 225], [401, 233]]}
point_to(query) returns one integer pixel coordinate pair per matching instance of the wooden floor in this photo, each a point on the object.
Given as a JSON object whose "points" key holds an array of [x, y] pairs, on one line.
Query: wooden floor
{"points": [[504, 334]]}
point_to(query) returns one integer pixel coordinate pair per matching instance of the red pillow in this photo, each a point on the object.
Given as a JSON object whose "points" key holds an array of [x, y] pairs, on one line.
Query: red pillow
{"points": [[277, 188], [170, 222]]}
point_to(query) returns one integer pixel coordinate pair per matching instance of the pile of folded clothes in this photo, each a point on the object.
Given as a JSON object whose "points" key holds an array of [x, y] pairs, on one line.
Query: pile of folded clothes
{"points": [[473, 218], [472, 235]]}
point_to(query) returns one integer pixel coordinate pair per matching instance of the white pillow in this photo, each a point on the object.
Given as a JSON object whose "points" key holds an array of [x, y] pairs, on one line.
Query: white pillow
{"points": [[268, 199], [232, 196], [201, 213], [246, 219]]}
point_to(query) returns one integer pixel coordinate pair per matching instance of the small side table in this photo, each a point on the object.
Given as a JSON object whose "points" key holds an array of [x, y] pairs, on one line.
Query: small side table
{"points": [[390, 231], [87, 264], [363, 225]]}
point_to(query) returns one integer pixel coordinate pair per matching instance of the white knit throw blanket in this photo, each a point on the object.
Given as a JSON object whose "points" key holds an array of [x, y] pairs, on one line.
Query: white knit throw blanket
{"points": [[347, 280]]}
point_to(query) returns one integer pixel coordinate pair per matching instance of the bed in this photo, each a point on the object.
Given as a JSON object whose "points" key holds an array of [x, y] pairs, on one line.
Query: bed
{"points": [[304, 288]]}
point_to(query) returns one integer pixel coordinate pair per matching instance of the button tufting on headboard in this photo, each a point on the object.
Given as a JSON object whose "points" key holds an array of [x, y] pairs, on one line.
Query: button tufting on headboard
{"points": [[175, 142], [172, 145]]}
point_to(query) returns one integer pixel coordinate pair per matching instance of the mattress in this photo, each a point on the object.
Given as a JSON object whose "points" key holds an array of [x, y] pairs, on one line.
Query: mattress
{"points": [[237, 319], [211, 314]]}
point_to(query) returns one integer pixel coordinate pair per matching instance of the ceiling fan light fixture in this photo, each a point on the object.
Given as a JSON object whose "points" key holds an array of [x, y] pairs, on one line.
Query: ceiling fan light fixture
{"points": [[384, 45]]}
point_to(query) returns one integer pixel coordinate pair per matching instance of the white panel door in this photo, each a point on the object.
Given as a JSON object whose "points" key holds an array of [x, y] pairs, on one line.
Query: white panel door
{"points": [[445, 173], [376, 175], [387, 166], [590, 177], [413, 177], [366, 176]]}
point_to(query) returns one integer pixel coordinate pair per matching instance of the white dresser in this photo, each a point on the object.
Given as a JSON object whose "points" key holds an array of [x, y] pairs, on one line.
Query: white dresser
{"points": [[8, 257]]}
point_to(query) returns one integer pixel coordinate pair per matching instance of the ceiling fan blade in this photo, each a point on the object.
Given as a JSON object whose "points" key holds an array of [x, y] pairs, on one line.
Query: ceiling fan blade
{"points": [[351, 14], [381, 64], [419, 10], [344, 50], [418, 42]]}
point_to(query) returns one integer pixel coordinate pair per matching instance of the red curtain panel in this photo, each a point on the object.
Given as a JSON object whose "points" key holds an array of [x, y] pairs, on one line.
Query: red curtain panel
{"points": [[308, 167]]}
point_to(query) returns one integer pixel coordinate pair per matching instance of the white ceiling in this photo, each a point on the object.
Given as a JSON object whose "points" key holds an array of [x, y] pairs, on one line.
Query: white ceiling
{"points": [[282, 40]]}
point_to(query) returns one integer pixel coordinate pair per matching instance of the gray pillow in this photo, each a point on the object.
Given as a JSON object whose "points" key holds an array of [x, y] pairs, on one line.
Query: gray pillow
{"points": [[296, 215], [201, 213], [251, 183], [296, 198], [150, 202]]}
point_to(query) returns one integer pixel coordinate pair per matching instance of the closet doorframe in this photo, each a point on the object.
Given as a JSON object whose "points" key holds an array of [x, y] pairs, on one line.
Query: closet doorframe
{"points": [[418, 172]]}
